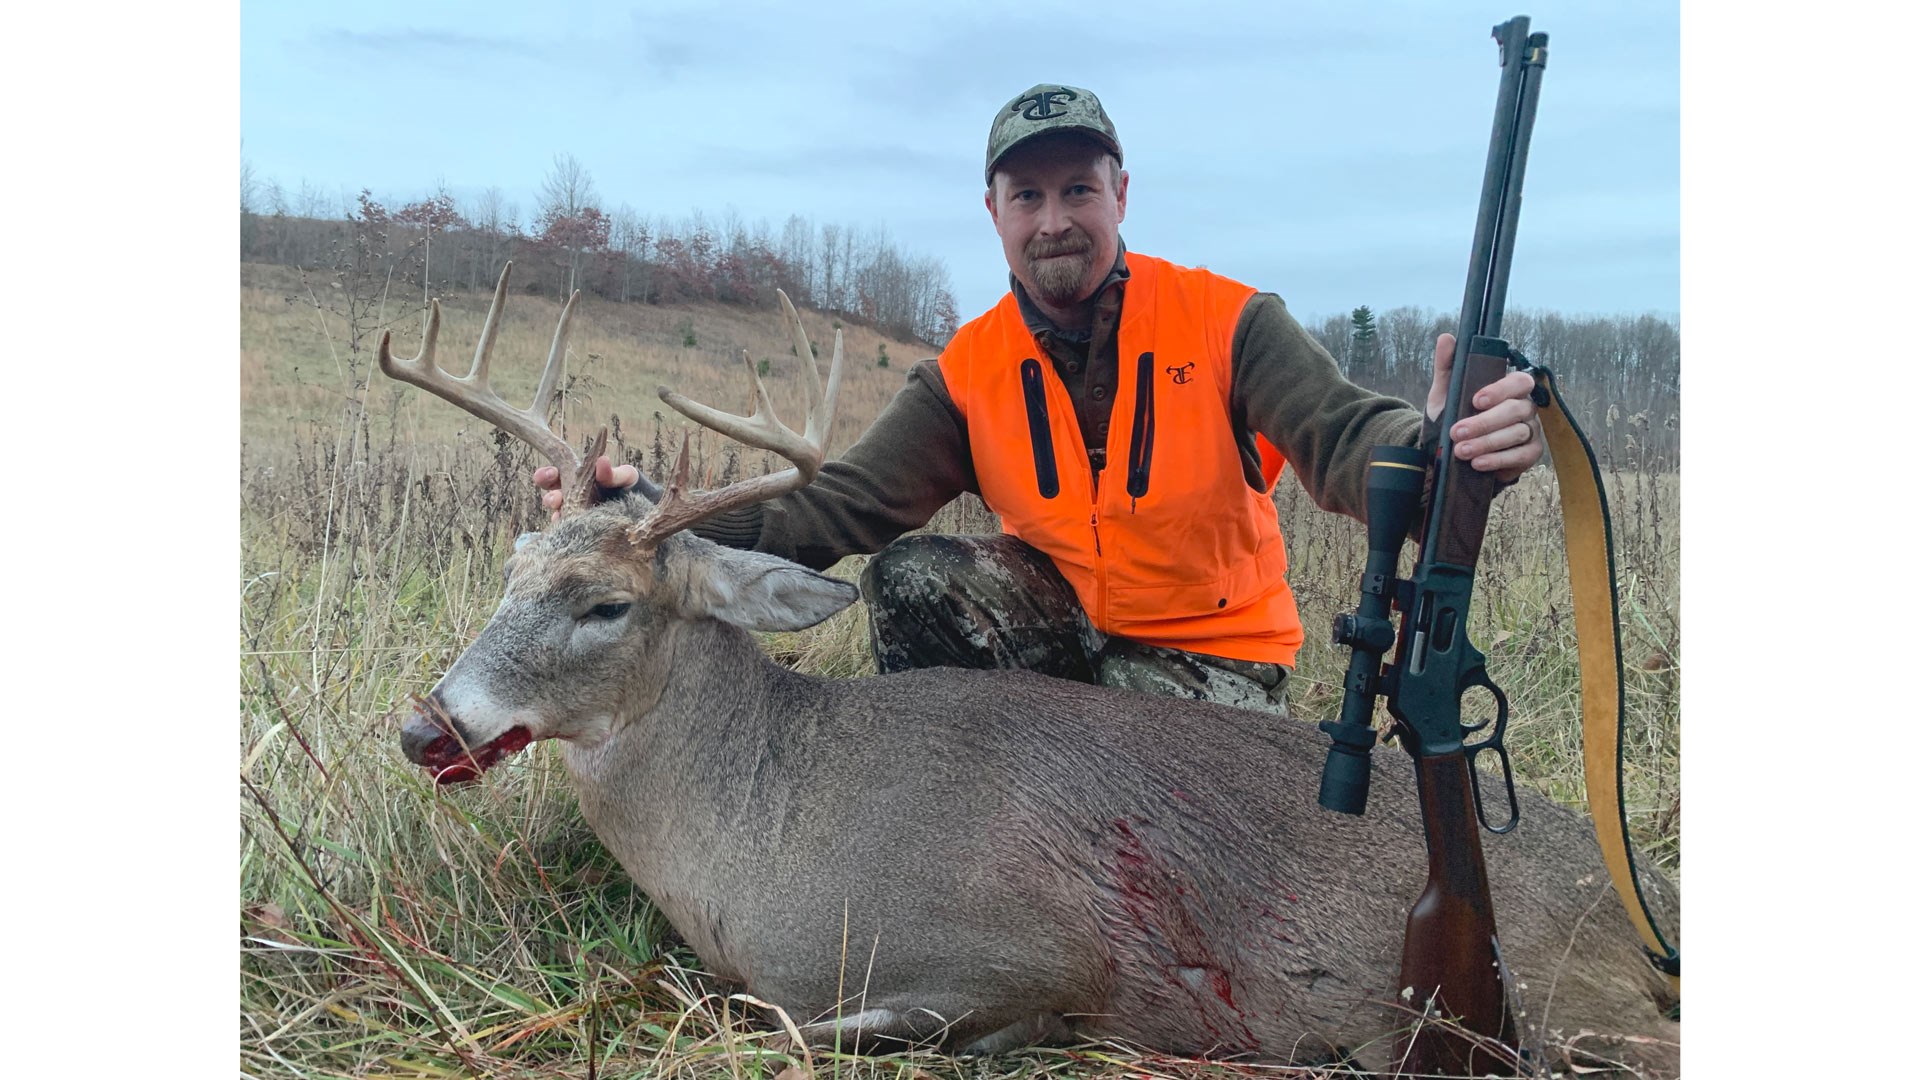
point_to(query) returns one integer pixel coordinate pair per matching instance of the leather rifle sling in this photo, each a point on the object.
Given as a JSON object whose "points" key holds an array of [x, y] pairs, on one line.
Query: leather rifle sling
{"points": [[1596, 621]]}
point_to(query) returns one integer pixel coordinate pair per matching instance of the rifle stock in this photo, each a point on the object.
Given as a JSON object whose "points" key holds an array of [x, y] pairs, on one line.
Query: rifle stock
{"points": [[1450, 931]]}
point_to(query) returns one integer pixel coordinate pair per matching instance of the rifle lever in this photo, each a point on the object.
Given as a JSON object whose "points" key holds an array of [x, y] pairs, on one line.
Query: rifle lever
{"points": [[1496, 742]]}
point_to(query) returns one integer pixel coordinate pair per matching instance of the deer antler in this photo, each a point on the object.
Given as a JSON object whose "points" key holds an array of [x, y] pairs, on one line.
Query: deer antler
{"points": [[475, 394], [677, 509]]}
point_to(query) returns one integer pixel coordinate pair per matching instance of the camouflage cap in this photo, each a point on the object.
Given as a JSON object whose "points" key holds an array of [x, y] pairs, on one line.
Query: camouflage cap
{"points": [[1045, 110]]}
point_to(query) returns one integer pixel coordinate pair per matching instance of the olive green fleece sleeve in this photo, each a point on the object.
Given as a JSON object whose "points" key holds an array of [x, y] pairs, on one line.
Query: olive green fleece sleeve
{"points": [[912, 461], [1288, 388]]}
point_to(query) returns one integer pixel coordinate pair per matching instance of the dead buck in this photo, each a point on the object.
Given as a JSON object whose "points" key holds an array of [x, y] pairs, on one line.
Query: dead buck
{"points": [[1005, 858]]}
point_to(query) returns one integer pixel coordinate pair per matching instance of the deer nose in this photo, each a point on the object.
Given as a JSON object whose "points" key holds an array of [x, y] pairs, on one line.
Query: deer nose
{"points": [[422, 731]]}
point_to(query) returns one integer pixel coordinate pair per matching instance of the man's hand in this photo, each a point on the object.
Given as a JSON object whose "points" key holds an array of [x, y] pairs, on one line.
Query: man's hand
{"points": [[612, 480], [1504, 438]]}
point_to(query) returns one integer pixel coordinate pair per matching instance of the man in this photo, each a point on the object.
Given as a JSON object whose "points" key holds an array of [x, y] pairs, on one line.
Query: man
{"points": [[1126, 418]]}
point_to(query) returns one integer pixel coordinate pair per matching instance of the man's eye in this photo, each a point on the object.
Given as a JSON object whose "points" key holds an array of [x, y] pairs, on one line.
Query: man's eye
{"points": [[608, 611]]}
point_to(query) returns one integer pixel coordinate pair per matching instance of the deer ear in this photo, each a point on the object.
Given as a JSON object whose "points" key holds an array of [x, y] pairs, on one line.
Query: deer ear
{"points": [[757, 591]]}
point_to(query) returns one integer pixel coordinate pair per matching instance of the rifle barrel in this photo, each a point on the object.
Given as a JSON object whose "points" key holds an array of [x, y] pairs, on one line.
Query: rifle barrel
{"points": [[1531, 62], [1494, 182]]}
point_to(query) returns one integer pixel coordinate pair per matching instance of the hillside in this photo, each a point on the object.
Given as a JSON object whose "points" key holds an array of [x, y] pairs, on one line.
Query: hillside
{"points": [[299, 374]]}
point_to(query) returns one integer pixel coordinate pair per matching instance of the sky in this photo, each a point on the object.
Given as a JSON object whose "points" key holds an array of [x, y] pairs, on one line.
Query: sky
{"points": [[1334, 158]]}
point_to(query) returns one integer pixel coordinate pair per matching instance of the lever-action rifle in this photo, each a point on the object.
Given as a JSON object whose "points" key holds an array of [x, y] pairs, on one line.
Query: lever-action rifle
{"points": [[1451, 960]]}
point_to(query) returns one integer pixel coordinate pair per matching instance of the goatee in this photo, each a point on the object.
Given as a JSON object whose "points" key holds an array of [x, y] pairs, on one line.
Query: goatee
{"points": [[1058, 268]]}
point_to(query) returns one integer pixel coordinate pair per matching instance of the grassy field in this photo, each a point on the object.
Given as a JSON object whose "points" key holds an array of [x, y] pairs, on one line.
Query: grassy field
{"points": [[391, 929]]}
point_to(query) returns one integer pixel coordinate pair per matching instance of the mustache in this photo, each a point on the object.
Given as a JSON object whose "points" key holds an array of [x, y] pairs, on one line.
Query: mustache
{"points": [[1047, 249]]}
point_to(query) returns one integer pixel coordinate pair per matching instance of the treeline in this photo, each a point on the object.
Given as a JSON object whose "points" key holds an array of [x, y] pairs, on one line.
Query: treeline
{"points": [[622, 255], [1620, 374]]}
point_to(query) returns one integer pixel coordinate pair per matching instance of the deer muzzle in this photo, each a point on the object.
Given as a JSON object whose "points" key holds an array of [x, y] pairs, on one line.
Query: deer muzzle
{"points": [[434, 740]]}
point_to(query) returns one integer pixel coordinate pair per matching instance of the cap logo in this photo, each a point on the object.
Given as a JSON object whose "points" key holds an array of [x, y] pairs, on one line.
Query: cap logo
{"points": [[1041, 106]]}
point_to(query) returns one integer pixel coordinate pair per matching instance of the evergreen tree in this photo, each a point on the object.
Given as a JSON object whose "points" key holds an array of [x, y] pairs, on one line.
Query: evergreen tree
{"points": [[1364, 356]]}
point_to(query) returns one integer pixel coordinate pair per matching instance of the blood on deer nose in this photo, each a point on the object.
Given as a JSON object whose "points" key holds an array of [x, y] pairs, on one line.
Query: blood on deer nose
{"points": [[429, 737]]}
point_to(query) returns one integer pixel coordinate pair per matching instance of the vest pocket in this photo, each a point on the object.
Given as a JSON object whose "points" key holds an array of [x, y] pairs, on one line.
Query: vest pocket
{"points": [[1252, 581], [1039, 429], [1140, 452]]}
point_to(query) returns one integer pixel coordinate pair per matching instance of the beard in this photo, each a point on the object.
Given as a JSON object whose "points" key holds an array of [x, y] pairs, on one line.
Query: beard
{"points": [[1057, 281]]}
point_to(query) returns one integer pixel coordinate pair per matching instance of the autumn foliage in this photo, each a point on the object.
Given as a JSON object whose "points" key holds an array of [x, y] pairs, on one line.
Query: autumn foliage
{"points": [[570, 243]]}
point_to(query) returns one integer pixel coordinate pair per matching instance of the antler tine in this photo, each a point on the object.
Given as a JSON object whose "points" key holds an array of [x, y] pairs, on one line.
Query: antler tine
{"points": [[809, 371], [762, 429], [819, 408], [677, 509], [422, 359], [550, 377], [825, 431], [475, 394], [483, 352], [763, 409], [581, 489]]}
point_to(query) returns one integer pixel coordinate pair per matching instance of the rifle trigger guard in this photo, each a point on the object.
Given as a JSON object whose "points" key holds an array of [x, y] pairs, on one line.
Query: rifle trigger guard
{"points": [[1496, 742]]}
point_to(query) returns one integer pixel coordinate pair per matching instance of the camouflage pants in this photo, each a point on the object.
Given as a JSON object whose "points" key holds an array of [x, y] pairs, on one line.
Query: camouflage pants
{"points": [[997, 602]]}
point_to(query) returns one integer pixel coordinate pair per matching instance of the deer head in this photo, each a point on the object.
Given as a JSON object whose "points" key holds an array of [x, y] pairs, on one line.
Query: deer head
{"points": [[575, 648]]}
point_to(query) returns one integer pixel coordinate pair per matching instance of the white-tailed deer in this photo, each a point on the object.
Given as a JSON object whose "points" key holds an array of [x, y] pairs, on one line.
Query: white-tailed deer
{"points": [[1005, 858]]}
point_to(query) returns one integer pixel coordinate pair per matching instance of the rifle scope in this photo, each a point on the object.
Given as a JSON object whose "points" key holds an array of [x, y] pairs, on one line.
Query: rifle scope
{"points": [[1395, 477]]}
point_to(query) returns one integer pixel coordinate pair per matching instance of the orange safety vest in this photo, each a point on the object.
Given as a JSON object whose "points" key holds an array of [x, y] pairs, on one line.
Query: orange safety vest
{"points": [[1170, 545]]}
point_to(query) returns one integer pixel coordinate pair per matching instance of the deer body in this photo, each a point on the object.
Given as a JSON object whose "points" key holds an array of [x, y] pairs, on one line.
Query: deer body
{"points": [[1002, 856], [983, 858]]}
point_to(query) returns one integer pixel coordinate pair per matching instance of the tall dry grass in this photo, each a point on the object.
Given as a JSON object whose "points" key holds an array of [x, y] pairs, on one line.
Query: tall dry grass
{"points": [[392, 929]]}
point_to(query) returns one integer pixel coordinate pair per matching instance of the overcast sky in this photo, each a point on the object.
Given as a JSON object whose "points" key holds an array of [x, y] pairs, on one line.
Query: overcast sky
{"points": [[1332, 157]]}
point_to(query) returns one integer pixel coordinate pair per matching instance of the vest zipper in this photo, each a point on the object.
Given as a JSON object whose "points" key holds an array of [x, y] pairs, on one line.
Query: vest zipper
{"points": [[1095, 522], [1046, 471], [1099, 557], [1140, 453]]}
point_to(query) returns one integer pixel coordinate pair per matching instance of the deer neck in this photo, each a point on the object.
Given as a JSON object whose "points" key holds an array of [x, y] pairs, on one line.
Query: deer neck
{"points": [[690, 756]]}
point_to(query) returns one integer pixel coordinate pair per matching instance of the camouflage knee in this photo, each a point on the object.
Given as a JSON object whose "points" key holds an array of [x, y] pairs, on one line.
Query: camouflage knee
{"points": [[974, 602], [1243, 684]]}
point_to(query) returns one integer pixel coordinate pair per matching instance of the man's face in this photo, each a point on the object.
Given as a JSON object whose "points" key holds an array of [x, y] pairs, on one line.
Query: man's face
{"points": [[1058, 211]]}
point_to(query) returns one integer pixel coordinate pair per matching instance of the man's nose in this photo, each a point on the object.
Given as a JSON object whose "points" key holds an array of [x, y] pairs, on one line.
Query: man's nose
{"points": [[1054, 219]]}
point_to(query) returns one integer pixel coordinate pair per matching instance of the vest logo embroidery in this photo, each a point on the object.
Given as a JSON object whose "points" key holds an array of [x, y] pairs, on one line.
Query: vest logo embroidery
{"points": [[1181, 374], [1041, 106]]}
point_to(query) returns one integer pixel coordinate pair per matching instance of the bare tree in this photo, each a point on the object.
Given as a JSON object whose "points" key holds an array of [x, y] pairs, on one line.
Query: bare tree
{"points": [[567, 188], [631, 240], [313, 201], [487, 214], [570, 217], [1333, 335], [830, 270], [1409, 350], [249, 221], [248, 184], [796, 252], [273, 200]]}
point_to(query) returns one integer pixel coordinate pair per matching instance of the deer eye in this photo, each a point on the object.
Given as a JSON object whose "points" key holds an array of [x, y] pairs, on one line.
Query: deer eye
{"points": [[608, 611]]}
